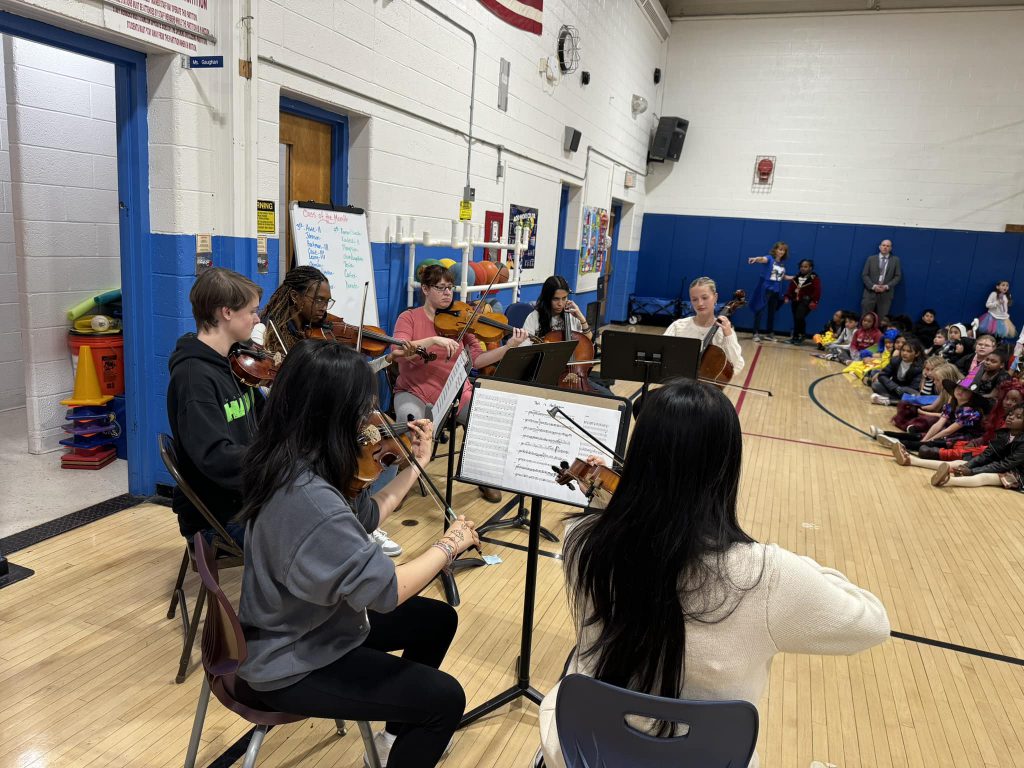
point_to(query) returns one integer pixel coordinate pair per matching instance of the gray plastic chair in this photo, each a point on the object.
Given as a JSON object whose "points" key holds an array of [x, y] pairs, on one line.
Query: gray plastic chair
{"points": [[593, 732]]}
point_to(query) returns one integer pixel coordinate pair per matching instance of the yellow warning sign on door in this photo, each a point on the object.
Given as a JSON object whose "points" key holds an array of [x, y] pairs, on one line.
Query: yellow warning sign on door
{"points": [[266, 217]]}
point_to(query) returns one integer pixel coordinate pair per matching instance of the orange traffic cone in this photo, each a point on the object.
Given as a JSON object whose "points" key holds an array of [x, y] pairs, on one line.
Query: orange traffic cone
{"points": [[87, 383]]}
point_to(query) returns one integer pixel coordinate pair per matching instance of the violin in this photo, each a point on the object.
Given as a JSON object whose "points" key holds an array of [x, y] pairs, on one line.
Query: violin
{"points": [[488, 327], [591, 478], [715, 367], [374, 342], [577, 376], [253, 365], [382, 444]]}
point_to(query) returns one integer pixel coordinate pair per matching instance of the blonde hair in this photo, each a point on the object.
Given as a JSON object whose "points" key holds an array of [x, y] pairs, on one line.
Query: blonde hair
{"points": [[945, 372], [705, 281]]}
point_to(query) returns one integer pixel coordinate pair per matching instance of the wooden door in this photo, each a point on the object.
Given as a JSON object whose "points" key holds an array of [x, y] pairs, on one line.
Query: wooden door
{"points": [[308, 177]]}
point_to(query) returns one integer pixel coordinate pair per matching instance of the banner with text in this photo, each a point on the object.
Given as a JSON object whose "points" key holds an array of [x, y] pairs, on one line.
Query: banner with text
{"points": [[182, 26]]}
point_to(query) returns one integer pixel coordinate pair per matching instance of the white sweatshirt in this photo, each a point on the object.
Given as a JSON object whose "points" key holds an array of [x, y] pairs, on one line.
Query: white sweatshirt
{"points": [[687, 328], [797, 606]]}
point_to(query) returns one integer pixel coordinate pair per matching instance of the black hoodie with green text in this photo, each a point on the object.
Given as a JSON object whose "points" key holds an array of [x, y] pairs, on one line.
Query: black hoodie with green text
{"points": [[213, 420]]}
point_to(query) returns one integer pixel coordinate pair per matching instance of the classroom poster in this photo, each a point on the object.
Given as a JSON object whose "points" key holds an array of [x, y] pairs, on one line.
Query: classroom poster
{"points": [[520, 215], [593, 243]]}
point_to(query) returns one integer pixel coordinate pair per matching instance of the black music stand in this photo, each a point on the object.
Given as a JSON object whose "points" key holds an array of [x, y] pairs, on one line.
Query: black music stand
{"points": [[522, 685], [648, 358], [533, 364]]}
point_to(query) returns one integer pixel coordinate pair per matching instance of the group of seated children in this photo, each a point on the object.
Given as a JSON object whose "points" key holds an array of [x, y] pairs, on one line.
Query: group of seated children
{"points": [[958, 405]]}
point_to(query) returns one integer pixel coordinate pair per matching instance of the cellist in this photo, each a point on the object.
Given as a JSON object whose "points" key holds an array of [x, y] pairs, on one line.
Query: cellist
{"points": [[552, 306], [419, 384], [703, 297]]}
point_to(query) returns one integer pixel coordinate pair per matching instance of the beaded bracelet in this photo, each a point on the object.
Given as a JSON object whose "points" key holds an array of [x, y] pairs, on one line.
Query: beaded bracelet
{"points": [[447, 548]]}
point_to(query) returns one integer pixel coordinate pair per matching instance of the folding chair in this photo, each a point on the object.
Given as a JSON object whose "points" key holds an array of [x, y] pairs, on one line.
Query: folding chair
{"points": [[229, 555], [223, 651]]}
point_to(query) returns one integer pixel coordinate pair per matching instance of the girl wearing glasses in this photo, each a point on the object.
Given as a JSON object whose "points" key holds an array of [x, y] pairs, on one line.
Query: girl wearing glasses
{"points": [[300, 302], [419, 383]]}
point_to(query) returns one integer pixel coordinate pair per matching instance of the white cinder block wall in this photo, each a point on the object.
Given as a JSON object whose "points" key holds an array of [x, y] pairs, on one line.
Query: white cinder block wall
{"points": [[411, 158], [12, 370], [63, 161], [903, 118]]}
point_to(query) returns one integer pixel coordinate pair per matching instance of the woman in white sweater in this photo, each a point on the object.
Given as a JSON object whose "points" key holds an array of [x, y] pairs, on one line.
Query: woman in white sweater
{"points": [[670, 596], [703, 296]]}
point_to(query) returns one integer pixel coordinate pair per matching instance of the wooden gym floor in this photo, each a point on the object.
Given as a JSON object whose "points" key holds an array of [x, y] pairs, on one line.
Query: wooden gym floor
{"points": [[88, 657]]}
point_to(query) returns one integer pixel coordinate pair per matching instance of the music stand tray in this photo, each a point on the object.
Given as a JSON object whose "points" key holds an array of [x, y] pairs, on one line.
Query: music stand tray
{"points": [[542, 364]]}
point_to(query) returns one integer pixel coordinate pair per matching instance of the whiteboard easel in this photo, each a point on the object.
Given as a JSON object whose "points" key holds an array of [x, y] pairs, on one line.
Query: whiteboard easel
{"points": [[335, 241]]}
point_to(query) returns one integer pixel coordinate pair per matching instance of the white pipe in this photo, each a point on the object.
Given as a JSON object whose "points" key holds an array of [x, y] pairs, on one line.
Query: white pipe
{"points": [[455, 234]]}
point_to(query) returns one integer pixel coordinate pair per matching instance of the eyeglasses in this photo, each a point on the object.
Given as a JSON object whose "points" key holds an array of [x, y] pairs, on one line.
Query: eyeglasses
{"points": [[321, 302], [443, 288]]}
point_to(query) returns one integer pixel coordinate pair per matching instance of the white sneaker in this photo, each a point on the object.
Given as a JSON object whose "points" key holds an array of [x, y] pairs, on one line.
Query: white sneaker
{"points": [[878, 399], [383, 742], [873, 431], [390, 547], [756, 338]]}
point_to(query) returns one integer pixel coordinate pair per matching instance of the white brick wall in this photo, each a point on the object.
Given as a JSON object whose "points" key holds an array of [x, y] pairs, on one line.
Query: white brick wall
{"points": [[63, 166], [12, 370], [400, 53], [896, 118]]}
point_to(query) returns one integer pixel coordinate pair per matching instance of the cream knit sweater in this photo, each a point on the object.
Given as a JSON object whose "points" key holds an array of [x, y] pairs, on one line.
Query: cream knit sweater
{"points": [[797, 606], [687, 328]]}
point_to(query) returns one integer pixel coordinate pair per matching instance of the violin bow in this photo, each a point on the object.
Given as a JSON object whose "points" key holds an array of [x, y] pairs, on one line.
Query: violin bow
{"points": [[362, 316], [477, 310], [284, 349], [435, 493]]}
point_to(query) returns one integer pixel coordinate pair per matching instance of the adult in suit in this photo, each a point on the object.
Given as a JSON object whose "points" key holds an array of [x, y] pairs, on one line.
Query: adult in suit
{"points": [[880, 276]]}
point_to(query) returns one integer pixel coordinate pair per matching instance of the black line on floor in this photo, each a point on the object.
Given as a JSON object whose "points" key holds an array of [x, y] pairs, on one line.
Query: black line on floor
{"points": [[520, 547], [958, 648], [40, 533], [230, 755], [814, 399]]}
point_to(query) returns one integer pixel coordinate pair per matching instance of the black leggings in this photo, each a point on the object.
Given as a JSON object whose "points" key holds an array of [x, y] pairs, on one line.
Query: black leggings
{"points": [[801, 309], [421, 704]]}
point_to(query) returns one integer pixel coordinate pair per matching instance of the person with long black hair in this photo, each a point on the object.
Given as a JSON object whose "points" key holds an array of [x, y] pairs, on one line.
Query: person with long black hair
{"points": [[321, 605], [552, 307], [671, 596]]}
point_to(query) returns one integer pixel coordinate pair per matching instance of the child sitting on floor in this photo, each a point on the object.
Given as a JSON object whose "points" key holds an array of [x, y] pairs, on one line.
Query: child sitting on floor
{"points": [[865, 368], [938, 343], [961, 419], [866, 336], [1001, 464], [901, 377], [832, 329], [913, 419]]}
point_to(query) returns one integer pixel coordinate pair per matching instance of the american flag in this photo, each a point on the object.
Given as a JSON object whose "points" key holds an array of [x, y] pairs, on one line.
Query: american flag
{"points": [[523, 14]]}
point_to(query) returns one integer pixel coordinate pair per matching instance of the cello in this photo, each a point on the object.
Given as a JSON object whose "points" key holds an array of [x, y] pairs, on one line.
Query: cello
{"points": [[715, 367], [576, 377]]}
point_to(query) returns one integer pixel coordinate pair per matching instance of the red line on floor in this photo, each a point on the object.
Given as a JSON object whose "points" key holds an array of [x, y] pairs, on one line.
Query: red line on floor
{"points": [[816, 445], [746, 382]]}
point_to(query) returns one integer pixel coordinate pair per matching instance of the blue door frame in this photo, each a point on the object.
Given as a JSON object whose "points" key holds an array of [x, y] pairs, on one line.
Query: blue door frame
{"points": [[133, 197], [339, 144]]}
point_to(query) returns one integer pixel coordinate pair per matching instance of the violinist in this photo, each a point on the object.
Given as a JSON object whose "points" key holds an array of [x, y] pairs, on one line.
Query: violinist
{"points": [[703, 297], [300, 303], [322, 608], [419, 383], [670, 596], [212, 416], [552, 306]]}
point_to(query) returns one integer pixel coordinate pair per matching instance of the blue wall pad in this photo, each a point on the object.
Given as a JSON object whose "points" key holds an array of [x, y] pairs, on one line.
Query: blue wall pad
{"points": [[952, 271]]}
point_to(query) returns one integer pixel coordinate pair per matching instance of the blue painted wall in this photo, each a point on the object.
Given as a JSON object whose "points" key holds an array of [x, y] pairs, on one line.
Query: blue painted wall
{"points": [[952, 271]]}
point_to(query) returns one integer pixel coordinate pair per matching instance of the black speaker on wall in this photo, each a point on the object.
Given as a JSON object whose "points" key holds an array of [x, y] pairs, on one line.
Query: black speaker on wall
{"points": [[668, 139], [572, 139]]}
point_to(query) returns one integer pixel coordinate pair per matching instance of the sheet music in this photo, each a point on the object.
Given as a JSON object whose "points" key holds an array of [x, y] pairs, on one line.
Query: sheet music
{"points": [[452, 387], [512, 442]]}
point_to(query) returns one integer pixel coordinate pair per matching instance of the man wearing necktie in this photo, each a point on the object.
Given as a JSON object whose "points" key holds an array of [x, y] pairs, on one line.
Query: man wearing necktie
{"points": [[880, 276]]}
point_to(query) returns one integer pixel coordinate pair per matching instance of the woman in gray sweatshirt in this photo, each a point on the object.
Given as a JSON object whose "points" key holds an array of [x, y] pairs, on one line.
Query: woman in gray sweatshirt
{"points": [[322, 606]]}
